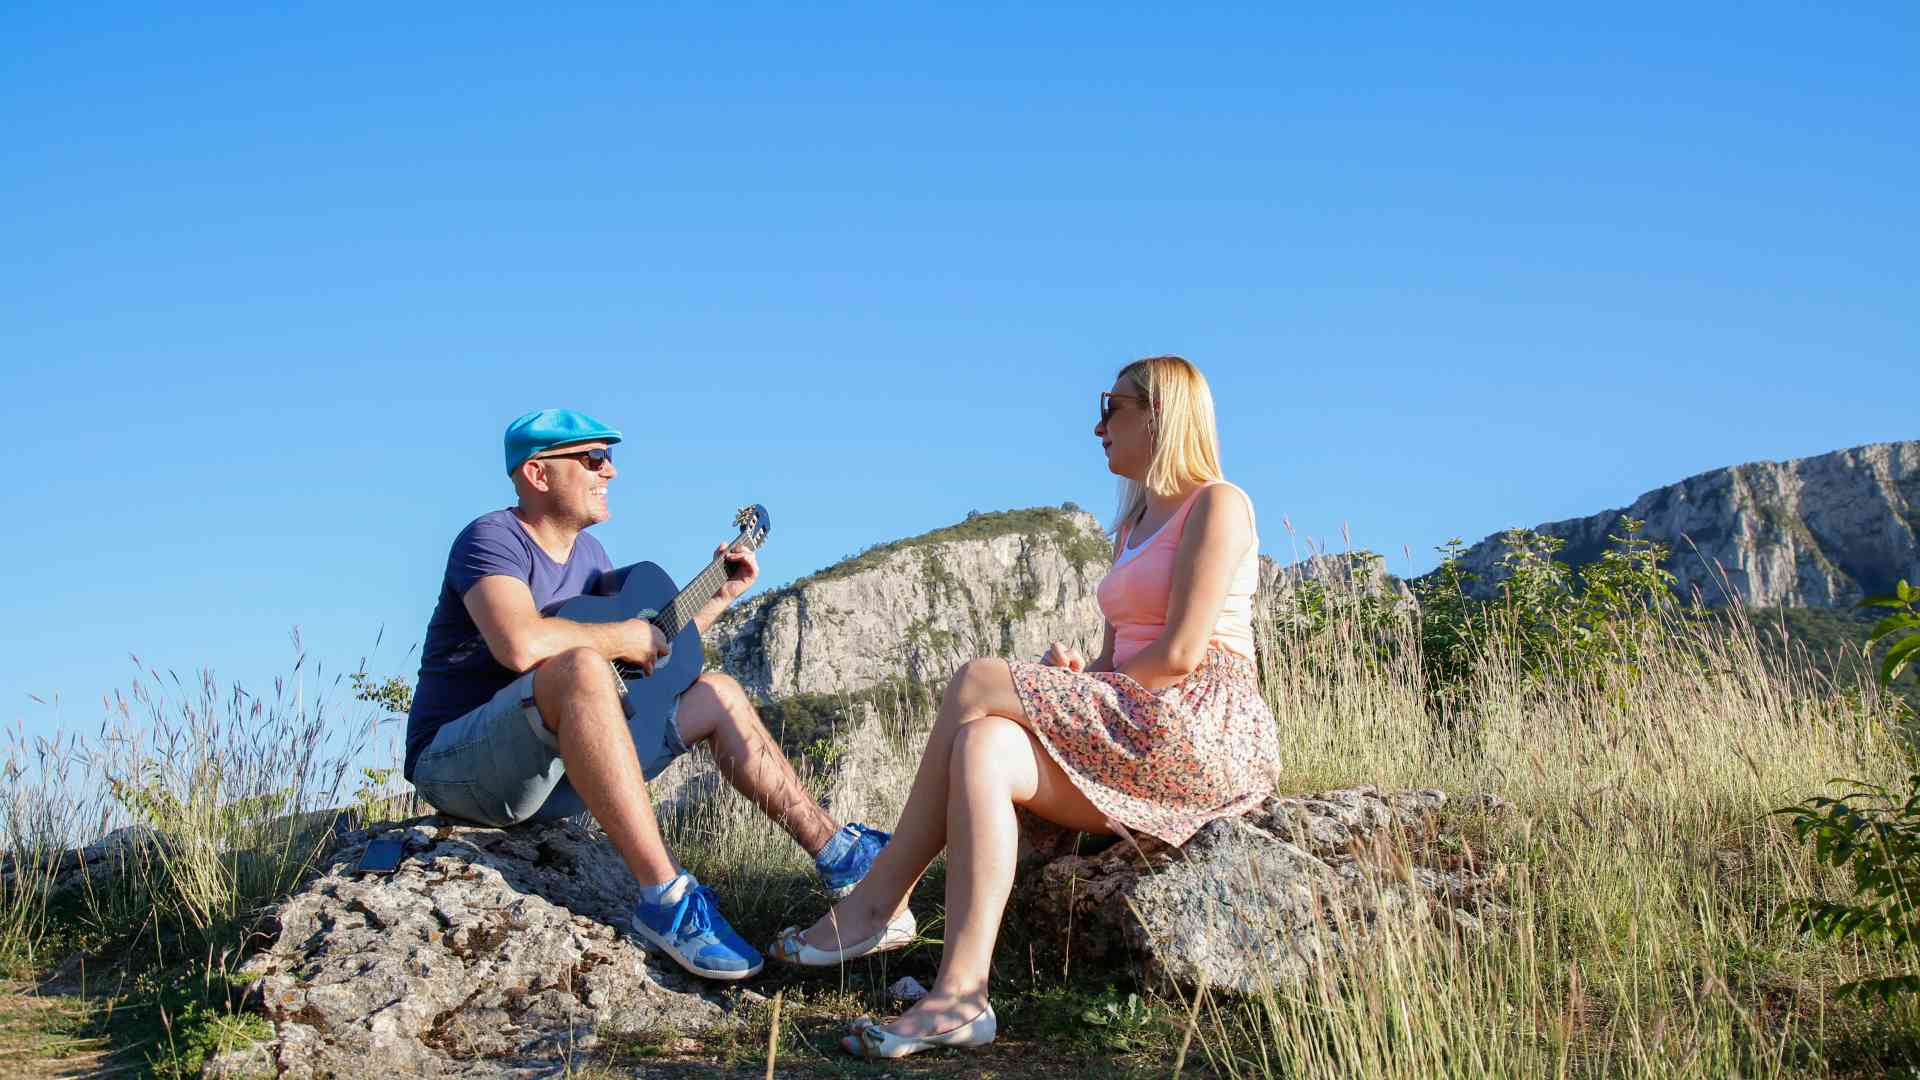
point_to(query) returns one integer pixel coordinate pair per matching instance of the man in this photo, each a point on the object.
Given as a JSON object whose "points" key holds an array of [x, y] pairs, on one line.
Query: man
{"points": [[511, 702]]}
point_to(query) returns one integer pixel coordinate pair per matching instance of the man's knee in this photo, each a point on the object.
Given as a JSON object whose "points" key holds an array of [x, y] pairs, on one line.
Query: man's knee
{"points": [[725, 690], [716, 702], [570, 675]]}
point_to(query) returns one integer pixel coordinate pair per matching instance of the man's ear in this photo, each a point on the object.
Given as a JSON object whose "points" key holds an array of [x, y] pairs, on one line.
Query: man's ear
{"points": [[533, 472]]}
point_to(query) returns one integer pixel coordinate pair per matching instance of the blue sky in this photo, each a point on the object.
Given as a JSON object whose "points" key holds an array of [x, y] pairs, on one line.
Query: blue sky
{"points": [[273, 282]]}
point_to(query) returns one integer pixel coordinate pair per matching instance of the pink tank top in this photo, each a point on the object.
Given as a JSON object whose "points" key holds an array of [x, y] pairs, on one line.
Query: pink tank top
{"points": [[1133, 596]]}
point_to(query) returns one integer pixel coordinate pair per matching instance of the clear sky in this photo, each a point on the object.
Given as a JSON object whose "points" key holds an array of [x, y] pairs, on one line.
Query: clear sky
{"points": [[272, 283]]}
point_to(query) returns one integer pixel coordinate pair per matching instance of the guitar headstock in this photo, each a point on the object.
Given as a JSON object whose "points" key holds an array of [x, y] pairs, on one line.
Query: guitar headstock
{"points": [[754, 524]]}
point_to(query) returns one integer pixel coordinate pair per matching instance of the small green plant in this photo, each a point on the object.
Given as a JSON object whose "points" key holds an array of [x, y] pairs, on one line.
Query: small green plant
{"points": [[1899, 627], [394, 694], [371, 800], [1875, 833], [200, 1033]]}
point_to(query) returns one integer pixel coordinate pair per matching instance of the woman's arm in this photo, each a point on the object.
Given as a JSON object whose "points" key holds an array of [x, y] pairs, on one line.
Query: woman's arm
{"points": [[1059, 655], [1104, 662], [1219, 530]]}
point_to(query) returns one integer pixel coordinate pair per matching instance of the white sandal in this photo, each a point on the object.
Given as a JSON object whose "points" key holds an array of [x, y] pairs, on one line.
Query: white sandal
{"points": [[789, 946], [870, 1040]]}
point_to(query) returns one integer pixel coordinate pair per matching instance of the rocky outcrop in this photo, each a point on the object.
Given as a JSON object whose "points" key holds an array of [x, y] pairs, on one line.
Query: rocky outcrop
{"points": [[488, 953], [90, 867], [999, 584], [1266, 897], [1813, 532]]}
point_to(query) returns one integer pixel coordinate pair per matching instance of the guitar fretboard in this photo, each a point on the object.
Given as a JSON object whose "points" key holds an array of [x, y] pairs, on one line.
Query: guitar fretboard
{"points": [[692, 598]]}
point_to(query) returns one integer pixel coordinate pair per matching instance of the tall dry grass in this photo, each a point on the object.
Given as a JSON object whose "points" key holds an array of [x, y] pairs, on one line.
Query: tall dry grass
{"points": [[214, 800], [1641, 864]]}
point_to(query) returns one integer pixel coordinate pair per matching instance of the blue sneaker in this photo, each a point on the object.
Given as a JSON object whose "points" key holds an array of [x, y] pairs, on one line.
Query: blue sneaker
{"points": [[848, 856], [693, 932]]}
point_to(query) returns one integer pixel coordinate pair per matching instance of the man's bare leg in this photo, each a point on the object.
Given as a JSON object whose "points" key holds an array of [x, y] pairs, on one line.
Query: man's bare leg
{"points": [[579, 704], [716, 710]]}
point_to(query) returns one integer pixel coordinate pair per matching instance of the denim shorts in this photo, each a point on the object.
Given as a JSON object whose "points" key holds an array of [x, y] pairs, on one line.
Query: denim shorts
{"points": [[499, 765]]}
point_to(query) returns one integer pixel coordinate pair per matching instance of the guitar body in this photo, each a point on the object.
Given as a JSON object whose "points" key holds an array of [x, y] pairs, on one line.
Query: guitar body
{"points": [[647, 590]]}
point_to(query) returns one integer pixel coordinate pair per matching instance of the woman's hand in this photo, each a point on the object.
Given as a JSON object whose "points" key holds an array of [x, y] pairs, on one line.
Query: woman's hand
{"points": [[1059, 655]]}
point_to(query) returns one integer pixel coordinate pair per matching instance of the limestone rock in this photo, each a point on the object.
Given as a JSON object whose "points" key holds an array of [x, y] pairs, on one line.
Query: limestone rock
{"points": [[1261, 897], [1812, 532], [1000, 584], [91, 866], [488, 953]]}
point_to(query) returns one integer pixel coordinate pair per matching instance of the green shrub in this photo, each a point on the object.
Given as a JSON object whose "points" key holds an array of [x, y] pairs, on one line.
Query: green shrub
{"points": [[1899, 629], [1549, 621], [1874, 833]]}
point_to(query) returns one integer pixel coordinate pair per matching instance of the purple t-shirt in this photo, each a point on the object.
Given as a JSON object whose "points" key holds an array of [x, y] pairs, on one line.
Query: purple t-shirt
{"points": [[457, 671]]}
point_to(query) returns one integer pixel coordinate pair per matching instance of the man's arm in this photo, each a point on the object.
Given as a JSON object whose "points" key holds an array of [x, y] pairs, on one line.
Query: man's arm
{"points": [[520, 637]]}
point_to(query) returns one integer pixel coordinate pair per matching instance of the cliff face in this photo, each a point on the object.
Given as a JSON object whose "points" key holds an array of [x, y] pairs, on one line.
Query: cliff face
{"points": [[1813, 532], [1001, 584]]}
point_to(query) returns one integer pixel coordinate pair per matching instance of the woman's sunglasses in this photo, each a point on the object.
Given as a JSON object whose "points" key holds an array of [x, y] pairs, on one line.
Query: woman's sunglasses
{"points": [[1108, 397], [590, 459]]}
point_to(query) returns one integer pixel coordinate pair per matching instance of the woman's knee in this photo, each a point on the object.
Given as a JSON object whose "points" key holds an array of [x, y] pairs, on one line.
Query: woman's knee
{"points": [[992, 747], [974, 680]]}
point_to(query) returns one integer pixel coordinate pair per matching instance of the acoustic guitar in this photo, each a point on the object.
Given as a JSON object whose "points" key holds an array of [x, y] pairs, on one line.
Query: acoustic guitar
{"points": [[648, 592]]}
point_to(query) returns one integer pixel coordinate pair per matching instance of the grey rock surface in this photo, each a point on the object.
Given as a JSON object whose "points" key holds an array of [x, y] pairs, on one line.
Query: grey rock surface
{"points": [[488, 953], [1811, 532], [1002, 584], [1261, 897]]}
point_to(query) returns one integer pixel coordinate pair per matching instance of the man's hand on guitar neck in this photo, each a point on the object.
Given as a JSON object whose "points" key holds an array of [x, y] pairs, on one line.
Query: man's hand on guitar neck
{"points": [[743, 569]]}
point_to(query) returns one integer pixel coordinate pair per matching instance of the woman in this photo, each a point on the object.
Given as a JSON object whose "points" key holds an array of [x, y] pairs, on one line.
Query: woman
{"points": [[1162, 733]]}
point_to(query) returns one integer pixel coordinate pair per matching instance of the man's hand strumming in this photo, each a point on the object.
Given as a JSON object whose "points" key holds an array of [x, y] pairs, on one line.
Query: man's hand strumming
{"points": [[643, 645]]}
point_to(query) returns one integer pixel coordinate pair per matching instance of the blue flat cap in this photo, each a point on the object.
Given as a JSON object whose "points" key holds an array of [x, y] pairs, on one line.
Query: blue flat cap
{"points": [[548, 428]]}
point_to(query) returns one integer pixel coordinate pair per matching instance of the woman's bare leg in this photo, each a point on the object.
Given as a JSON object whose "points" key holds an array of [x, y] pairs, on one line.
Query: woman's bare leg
{"points": [[996, 764], [980, 688]]}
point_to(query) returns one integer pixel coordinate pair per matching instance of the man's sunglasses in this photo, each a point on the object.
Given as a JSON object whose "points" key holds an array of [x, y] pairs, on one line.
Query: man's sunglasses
{"points": [[591, 459], [1108, 397]]}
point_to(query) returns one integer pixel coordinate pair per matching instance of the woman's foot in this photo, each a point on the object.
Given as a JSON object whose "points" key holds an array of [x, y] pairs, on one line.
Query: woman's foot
{"points": [[848, 922], [904, 1035], [847, 933], [938, 1013]]}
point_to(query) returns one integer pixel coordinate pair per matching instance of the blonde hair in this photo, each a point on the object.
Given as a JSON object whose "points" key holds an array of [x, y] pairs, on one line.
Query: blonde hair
{"points": [[1186, 443]]}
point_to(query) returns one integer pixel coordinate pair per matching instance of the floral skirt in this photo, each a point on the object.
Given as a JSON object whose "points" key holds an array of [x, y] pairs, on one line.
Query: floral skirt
{"points": [[1163, 762]]}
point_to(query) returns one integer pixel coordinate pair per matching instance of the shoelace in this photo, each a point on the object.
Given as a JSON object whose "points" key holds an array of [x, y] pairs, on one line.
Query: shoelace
{"points": [[860, 834], [694, 912]]}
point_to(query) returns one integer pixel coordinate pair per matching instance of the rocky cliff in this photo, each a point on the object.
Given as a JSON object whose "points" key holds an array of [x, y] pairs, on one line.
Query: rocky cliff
{"points": [[999, 584], [1813, 532]]}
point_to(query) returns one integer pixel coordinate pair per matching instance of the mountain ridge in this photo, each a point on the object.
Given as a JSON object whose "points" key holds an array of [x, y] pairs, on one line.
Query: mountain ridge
{"points": [[1819, 531]]}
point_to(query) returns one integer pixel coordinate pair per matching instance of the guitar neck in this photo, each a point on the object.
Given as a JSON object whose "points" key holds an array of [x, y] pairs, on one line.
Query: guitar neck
{"points": [[695, 596]]}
